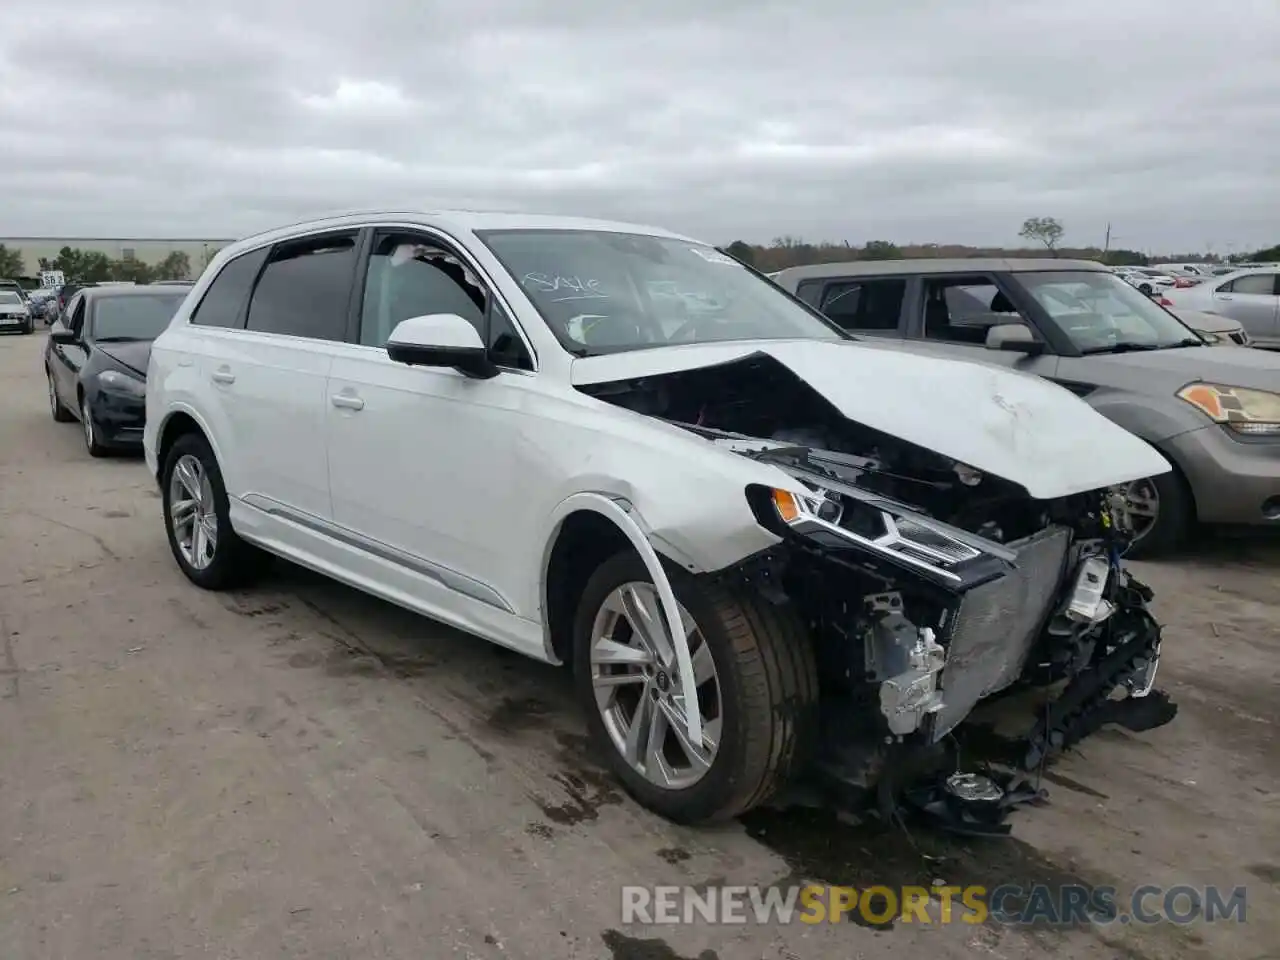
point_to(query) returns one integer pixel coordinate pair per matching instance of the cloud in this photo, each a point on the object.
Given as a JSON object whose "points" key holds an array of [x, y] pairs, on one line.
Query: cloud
{"points": [[910, 121]]}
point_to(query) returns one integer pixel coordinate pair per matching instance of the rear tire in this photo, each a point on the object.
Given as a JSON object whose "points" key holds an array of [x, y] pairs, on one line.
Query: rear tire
{"points": [[767, 693], [91, 442], [60, 413], [230, 562]]}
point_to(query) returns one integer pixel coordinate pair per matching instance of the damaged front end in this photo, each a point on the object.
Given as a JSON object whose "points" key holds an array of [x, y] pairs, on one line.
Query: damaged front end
{"points": [[930, 587], [918, 621]]}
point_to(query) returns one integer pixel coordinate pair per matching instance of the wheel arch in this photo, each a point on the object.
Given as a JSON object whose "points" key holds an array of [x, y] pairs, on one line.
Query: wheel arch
{"points": [[594, 523], [176, 423]]}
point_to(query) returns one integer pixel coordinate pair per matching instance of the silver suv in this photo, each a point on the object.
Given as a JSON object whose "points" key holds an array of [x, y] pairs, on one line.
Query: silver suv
{"points": [[1213, 413]]}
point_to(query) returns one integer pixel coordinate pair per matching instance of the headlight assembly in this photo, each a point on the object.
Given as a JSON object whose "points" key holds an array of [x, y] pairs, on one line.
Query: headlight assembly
{"points": [[908, 539], [1254, 413], [116, 382]]}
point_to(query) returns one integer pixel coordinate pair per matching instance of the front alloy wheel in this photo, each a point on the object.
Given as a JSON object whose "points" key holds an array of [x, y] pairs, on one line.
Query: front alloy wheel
{"points": [[1156, 512], [638, 691], [755, 688]]}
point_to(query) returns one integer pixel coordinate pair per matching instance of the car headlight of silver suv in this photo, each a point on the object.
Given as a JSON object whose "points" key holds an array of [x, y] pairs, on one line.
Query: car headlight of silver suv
{"points": [[1251, 413], [113, 381]]}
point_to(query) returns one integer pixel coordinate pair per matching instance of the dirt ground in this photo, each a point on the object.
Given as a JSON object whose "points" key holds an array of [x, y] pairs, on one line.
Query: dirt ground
{"points": [[303, 771]]}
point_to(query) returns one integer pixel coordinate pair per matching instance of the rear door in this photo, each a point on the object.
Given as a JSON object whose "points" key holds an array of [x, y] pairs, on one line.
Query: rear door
{"points": [[864, 306], [1252, 300], [270, 377]]}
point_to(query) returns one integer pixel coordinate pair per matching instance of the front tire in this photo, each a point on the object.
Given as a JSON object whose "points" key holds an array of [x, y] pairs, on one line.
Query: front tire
{"points": [[91, 442], [1162, 511], [197, 518], [757, 689]]}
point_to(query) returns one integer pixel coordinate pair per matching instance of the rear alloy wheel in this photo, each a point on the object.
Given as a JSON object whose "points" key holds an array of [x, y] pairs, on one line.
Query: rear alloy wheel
{"points": [[91, 443], [198, 522], [1158, 511], [60, 413], [755, 683]]}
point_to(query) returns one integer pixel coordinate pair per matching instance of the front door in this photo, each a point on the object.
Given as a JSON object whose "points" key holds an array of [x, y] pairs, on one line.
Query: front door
{"points": [[425, 462], [954, 314]]}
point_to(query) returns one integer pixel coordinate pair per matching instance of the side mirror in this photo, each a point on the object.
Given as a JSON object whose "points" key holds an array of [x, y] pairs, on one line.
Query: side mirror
{"points": [[441, 340], [63, 335], [1014, 337]]}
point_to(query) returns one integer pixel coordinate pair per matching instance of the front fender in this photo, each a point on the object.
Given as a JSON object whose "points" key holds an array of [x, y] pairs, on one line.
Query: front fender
{"points": [[1154, 422], [622, 515]]}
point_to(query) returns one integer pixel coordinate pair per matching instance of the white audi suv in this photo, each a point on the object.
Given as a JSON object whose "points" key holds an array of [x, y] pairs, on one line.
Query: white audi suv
{"points": [[765, 548]]}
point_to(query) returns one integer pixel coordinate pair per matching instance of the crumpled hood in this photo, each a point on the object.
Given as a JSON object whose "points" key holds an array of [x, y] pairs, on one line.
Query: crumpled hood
{"points": [[1010, 424], [134, 354]]}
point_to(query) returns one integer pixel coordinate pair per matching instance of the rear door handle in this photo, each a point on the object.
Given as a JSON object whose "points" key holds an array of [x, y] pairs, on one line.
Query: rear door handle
{"points": [[347, 402], [222, 376]]}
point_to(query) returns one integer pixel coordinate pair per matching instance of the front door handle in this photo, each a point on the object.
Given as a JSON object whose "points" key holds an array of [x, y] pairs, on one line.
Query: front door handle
{"points": [[1223, 296], [222, 376], [347, 402]]}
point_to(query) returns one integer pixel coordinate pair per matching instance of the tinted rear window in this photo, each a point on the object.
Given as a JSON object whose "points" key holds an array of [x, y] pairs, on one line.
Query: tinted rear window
{"points": [[226, 296]]}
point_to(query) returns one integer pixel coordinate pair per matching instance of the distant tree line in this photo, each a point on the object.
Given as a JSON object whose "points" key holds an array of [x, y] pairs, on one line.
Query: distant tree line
{"points": [[786, 252], [92, 266], [1046, 232]]}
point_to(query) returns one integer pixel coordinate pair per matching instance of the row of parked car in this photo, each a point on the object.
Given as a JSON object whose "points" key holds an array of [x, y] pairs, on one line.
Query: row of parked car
{"points": [[777, 528]]}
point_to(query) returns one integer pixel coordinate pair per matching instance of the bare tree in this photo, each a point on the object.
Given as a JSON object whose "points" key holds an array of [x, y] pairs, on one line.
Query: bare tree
{"points": [[1044, 230]]}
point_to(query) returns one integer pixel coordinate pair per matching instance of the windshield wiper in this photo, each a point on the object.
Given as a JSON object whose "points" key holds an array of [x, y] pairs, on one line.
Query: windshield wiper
{"points": [[1124, 346], [119, 339]]}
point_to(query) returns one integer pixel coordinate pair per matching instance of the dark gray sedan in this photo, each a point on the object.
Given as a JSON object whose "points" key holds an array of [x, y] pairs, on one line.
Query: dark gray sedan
{"points": [[1213, 413]]}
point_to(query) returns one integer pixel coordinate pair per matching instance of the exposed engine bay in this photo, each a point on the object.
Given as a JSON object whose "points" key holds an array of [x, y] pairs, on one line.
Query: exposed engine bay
{"points": [[928, 587]]}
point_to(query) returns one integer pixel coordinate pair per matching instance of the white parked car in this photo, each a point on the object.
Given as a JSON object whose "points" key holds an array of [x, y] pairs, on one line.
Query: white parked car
{"points": [[765, 548], [1146, 279], [1248, 297]]}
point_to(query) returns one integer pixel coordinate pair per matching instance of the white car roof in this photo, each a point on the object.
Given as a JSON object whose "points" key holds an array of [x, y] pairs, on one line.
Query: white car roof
{"points": [[453, 221]]}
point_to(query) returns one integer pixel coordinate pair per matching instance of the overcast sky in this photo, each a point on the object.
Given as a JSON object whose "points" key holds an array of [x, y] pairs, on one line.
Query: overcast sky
{"points": [[906, 120]]}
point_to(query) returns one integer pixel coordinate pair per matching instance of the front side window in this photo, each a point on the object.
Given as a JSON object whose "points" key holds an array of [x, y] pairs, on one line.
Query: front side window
{"points": [[75, 314], [604, 292], [223, 303], [305, 288], [1100, 313], [410, 276], [962, 309], [133, 317]]}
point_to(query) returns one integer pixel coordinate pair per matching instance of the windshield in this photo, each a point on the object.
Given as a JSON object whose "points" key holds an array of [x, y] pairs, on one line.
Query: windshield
{"points": [[603, 292], [134, 318], [1100, 312], [8, 299]]}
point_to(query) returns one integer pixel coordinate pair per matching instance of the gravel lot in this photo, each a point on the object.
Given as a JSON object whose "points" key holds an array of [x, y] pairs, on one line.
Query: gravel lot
{"points": [[303, 771]]}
